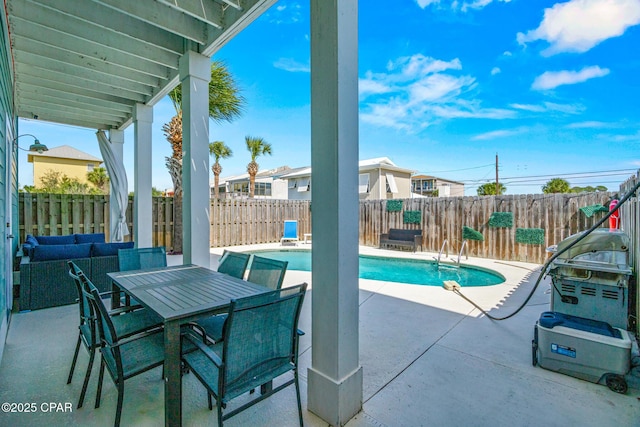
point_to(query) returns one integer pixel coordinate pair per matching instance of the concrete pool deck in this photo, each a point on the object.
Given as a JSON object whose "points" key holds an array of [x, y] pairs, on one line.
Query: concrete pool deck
{"points": [[428, 356]]}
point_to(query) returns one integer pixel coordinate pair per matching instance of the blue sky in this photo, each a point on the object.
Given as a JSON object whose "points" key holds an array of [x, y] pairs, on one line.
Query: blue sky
{"points": [[551, 87]]}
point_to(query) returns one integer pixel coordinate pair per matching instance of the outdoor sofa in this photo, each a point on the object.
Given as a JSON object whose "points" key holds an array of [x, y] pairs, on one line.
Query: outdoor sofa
{"points": [[44, 273], [401, 238]]}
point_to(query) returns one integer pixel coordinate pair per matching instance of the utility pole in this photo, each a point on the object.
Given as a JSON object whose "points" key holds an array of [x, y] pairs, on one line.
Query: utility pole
{"points": [[497, 182]]}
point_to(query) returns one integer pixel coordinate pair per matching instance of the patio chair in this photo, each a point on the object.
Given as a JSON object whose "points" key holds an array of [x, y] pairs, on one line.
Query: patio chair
{"points": [[260, 344], [290, 232], [139, 258], [126, 322], [263, 271], [123, 357], [233, 263]]}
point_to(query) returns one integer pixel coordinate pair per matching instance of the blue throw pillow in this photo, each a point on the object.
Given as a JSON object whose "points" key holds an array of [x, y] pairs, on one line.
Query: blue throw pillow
{"points": [[109, 249], [55, 252], [57, 240], [90, 238]]}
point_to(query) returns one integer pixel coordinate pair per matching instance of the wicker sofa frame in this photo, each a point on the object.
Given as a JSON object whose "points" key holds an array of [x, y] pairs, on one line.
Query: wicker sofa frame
{"points": [[46, 284]]}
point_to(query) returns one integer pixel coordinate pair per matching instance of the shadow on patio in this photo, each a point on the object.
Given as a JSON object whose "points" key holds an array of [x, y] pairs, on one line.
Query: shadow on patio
{"points": [[429, 358]]}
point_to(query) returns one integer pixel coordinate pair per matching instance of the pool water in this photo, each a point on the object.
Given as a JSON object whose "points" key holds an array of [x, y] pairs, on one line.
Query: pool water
{"points": [[417, 272]]}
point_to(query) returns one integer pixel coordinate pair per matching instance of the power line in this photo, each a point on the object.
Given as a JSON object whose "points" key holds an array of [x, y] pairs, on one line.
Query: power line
{"points": [[571, 176], [465, 169]]}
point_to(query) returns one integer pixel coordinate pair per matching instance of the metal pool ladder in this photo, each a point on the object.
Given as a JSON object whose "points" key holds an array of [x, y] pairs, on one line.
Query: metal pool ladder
{"points": [[445, 244]]}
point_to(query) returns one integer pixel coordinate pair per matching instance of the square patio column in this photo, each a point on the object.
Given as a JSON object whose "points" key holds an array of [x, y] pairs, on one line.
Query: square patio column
{"points": [[335, 375], [195, 73], [117, 145], [142, 206]]}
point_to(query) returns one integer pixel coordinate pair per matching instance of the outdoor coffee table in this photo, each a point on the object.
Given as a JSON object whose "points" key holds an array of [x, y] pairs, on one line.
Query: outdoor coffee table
{"points": [[180, 294]]}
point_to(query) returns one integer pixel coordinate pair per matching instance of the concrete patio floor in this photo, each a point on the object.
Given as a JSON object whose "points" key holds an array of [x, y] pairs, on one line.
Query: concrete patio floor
{"points": [[429, 358]]}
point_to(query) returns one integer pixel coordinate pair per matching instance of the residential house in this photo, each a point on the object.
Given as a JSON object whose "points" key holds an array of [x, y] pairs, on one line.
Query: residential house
{"points": [[64, 159], [268, 185], [378, 178], [431, 186]]}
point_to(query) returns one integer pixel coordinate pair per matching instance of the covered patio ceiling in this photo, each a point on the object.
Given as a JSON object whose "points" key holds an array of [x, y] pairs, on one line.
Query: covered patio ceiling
{"points": [[88, 63]]}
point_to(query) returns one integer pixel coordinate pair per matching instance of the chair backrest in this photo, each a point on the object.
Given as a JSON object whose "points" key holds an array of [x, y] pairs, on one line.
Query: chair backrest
{"points": [[267, 272], [233, 263], [108, 336], [86, 310], [138, 258], [260, 339], [290, 229]]}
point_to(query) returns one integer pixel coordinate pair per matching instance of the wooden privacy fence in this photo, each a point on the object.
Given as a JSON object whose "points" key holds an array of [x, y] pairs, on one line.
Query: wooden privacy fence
{"points": [[444, 217], [253, 221], [60, 214]]}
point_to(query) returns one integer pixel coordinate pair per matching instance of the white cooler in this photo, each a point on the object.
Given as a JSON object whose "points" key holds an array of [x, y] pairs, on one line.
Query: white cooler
{"points": [[583, 348]]}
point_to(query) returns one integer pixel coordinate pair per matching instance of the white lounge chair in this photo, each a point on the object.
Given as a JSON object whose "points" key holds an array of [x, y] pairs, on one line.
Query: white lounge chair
{"points": [[290, 232]]}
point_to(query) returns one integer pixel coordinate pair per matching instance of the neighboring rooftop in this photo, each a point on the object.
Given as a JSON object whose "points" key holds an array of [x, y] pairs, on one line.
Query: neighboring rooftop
{"points": [[65, 152]]}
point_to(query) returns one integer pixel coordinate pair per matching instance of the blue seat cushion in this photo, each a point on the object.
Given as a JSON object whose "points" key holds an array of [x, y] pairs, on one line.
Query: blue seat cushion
{"points": [[55, 252], [108, 249], [90, 238], [27, 247], [56, 240]]}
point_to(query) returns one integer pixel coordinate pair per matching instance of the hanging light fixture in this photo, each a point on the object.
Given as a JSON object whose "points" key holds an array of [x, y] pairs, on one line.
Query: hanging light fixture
{"points": [[36, 147]]}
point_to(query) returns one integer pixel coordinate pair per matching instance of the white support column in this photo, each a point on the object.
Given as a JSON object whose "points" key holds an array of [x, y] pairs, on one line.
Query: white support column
{"points": [[117, 145], [142, 206], [335, 375], [195, 73]]}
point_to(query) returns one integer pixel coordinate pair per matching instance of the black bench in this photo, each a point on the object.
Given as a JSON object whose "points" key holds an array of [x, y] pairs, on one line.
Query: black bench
{"points": [[397, 237]]}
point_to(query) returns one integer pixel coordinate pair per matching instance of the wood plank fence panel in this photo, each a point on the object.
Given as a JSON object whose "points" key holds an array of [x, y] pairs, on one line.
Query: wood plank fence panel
{"points": [[243, 221]]}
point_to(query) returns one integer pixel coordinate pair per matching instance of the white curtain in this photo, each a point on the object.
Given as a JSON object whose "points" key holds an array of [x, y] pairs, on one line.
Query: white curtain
{"points": [[119, 186]]}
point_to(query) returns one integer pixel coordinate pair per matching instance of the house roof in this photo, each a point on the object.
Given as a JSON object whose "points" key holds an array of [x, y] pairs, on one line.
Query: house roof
{"points": [[261, 176], [65, 152], [379, 162], [436, 178], [88, 63]]}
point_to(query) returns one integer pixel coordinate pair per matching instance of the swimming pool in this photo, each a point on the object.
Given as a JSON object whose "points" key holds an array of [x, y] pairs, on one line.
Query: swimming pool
{"points": [[412, 271]]}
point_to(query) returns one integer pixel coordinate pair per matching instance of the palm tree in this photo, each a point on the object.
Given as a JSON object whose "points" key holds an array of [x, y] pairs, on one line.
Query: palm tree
{"points": [[489, 189], [218, 150], [556, 185], [225, 104], [99, 178], [257, 147]]}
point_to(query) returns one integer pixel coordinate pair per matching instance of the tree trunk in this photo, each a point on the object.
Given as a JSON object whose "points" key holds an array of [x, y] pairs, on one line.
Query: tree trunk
{"points": [[252, 170], [175, 170], [217, 170]]}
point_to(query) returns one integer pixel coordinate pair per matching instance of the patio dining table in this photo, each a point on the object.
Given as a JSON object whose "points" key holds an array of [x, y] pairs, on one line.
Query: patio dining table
{"points": [[180, 294]]}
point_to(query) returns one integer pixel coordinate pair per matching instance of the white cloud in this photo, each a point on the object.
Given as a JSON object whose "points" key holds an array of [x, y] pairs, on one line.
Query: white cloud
{"points": [[417, 91], [495, 70], [546, 107], [553, 79], [292, 65], [497, 134], [507, 53], [419, 65], [285, 13], [529, 107], [579, 25], [425, 3], [455, 4], [588, 125]]}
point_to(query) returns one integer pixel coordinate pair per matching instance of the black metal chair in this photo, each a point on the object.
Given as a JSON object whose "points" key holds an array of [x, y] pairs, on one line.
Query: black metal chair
{"points": [[127, 321], [123, 357], [233, 263], [261, 344], [263, 271]]}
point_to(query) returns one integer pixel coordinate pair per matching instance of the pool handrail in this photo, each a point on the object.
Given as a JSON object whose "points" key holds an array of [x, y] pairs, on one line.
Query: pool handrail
{"points": [[444, 244]]}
